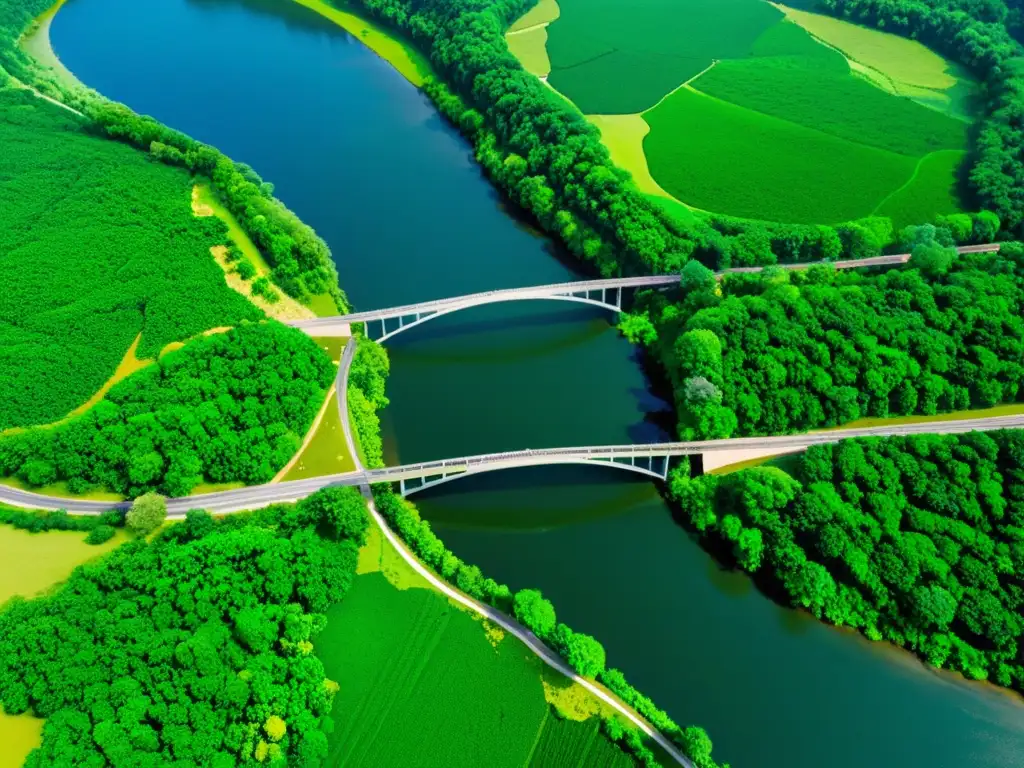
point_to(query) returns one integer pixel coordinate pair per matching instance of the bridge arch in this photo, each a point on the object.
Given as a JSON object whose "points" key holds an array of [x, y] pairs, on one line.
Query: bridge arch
{"points": [[613, 304], [655, 467]]}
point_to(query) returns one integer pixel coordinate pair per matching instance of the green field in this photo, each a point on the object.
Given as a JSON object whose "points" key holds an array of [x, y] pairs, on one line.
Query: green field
{"points": [[412, 665], [931, 191], [836, 121], [729, 168], [617, 57], [99, 244], [827, 98]]}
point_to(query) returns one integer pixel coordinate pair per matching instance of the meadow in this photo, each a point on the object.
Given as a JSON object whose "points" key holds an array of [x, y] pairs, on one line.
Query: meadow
{"points": [[613, 57], [835, 121], [411, 665], [100, 245], [729, 169]]}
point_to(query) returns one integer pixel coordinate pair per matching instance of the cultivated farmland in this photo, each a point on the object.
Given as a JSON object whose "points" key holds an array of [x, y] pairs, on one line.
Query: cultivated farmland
{"points": [[412, 665], [810, 119]]}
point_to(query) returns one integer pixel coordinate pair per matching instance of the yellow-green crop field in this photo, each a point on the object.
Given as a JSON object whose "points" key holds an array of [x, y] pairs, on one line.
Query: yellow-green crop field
{"points": [[757, 110]]}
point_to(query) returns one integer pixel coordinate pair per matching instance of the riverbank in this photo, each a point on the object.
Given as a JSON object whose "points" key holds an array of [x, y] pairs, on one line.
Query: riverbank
{"points": [[37, 44], [399, 53]]}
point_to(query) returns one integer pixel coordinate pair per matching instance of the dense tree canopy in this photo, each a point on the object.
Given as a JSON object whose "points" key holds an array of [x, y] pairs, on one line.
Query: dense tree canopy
{"points": [[918, 540], [190, 650], [779, 351], [230, 407]]}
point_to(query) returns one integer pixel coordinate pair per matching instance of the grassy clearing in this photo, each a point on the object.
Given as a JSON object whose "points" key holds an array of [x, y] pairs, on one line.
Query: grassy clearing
{"points": [[564, 742], [673, 208], [403, 56], [624, 137], [19, 734], [326, 453], [332, 345], [900, 59], [830, 100], [712, 155], [205, 202], [60, 490], [787, 38], [929, 192], [530, 47], [612, 57], [31, 563], [543, 12]]}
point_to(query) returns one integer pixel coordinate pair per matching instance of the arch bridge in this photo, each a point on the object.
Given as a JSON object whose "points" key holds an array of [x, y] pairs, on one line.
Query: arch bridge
{"points": [[383, 324]]}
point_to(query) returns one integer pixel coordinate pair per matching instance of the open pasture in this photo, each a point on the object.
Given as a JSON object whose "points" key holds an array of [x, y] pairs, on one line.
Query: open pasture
{"points": [[616, 57], [929, 192], [720, 157], [798, 89]]}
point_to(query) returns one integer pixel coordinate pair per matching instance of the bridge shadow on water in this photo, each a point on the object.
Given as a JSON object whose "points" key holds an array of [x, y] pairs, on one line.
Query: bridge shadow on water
{"points": [[535, 498]]}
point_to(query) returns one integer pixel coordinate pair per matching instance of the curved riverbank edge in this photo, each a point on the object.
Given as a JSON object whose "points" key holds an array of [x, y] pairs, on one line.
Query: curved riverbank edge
{"points": [[506, 622], [37, 44], [403, 56]]}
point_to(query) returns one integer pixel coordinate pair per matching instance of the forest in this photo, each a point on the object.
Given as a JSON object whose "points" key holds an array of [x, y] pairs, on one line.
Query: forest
{"points": [[916, 540], [192, 648], [230, 407], [785, 351], [100, 247]]}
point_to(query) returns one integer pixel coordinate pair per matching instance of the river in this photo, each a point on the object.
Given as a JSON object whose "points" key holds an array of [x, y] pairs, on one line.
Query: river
{"points": [[361, 155]]}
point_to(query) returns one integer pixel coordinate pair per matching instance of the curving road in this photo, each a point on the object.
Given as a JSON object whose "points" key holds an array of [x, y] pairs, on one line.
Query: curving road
{"points": [[271, 493]]}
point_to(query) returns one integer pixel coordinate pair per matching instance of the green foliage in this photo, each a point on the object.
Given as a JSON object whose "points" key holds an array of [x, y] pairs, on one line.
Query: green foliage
{"points": [[60, 520], [366, 379], [832, 100], [711, 154], [182, 649], [795, 351], [931, 190], [228, 407], [584, 654], [619, 58], [245, 269], [148, 512], [100, 245], [916, 540], [100, 534], [534, 612]]}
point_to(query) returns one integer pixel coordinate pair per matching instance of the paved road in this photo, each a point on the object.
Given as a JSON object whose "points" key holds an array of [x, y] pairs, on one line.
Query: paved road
{"points": [[558, 289], [261, 495]]}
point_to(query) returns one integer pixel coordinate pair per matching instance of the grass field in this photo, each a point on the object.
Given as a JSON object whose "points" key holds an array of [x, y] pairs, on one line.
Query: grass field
{"points": [[613, 57], [931, 190], [425, 683], [801, 90], [543, 12], [902, 60], [326, 453], [808, 177], [530, 47]]}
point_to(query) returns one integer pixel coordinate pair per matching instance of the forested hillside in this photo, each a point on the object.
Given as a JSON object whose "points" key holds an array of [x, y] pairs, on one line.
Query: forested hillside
{"points": [[779, 352], [916, 540], [231, 407], [99, 245], [190, 649]]}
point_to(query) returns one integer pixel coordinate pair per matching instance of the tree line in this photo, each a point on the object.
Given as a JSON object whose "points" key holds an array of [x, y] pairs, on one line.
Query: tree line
{"points": [[192, 648], [916, 540], [229, 407], [785, 351]]}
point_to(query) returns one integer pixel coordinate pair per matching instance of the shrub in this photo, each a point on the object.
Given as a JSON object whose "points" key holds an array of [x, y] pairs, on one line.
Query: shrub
{"points": [[147, 513]]}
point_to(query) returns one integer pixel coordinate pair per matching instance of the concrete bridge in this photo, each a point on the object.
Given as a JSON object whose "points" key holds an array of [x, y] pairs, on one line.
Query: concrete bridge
{"points": [[650, 460], [383, 324]]}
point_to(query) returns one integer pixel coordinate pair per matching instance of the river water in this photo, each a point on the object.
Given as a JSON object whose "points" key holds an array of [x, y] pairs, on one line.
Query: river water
{"points": [[360, 155]]}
